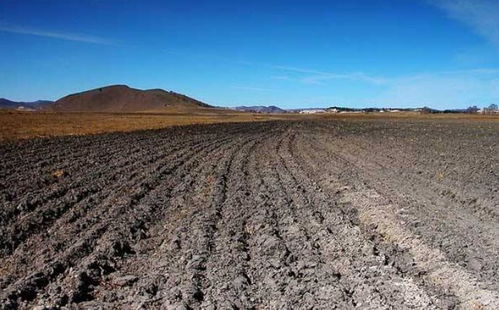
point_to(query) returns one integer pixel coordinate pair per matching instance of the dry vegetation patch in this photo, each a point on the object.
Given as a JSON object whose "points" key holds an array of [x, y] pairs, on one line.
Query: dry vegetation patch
{"points": [[22, 125]]}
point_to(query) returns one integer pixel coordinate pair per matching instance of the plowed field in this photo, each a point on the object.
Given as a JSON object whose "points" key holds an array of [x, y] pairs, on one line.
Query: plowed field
{"points": [[369, 214]]}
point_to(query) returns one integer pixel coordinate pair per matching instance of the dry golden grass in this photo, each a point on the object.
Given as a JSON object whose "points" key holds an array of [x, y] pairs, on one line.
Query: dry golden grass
{"points": [[22, 125]]}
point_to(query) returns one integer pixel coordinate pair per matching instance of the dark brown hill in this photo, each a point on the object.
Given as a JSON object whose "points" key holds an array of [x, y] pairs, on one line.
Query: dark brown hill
{"points": [[121, 98]]}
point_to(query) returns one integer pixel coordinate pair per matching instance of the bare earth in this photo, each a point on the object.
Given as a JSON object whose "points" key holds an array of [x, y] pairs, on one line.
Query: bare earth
{"points": [[316, 214]]}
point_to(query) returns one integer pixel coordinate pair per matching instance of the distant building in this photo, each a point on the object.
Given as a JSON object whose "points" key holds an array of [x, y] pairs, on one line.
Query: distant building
{"points": [[314, 111]]}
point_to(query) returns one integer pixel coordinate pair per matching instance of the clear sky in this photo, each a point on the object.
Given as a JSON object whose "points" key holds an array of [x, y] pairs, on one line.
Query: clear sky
{"points": [[405, 53]]}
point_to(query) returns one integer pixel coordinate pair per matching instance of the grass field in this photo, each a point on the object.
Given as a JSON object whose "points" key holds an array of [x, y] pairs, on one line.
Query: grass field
{"points": [[23, 125]]}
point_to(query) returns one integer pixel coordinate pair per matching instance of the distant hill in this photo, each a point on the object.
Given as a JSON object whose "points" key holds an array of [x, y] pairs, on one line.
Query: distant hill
{"points": [[260, 109], [121, 98], [18, 105]]}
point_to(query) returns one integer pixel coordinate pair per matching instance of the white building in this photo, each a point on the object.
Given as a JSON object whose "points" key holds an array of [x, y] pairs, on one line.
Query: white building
{"points": [[314, 111]]}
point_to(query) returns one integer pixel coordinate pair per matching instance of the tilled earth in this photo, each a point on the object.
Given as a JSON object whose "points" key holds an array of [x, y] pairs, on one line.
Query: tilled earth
{"points": [[369, 214]]}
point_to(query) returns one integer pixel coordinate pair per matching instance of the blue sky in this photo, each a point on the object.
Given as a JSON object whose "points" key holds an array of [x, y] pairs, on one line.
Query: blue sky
{"points": [[404, 53]]}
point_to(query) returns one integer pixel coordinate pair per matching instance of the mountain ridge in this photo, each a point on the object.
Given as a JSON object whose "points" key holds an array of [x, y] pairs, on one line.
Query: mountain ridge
{"points": [[23, 105]]}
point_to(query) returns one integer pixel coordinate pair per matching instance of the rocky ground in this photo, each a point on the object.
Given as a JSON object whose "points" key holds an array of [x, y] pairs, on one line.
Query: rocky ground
{"points": [[343, 214]]}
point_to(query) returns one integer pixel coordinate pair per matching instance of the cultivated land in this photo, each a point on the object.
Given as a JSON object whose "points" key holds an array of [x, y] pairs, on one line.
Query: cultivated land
{"points": [[357, 212]]}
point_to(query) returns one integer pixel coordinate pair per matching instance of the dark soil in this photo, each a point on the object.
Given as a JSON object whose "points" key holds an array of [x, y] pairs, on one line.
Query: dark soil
{"points": [[369, 214]]}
